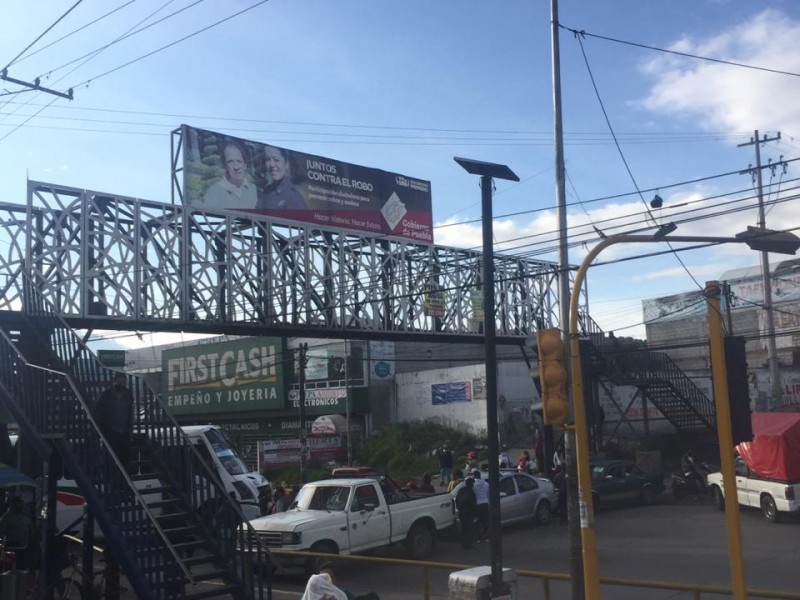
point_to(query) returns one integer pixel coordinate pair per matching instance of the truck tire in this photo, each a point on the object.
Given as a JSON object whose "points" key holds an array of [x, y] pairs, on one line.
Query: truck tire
{"points": [[768, 508], [420, 540], [719, 499], [313, 563]]}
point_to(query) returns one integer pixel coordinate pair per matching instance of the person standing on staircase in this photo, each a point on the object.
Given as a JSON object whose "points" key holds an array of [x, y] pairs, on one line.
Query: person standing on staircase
{"points": [[113, 413]]}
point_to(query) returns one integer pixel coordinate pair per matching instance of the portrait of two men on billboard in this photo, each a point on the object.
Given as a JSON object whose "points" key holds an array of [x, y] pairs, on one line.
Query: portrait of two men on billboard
{"points": [[227, 173]]}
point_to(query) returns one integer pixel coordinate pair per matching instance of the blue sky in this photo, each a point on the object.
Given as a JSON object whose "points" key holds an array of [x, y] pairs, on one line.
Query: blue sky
{"points": [[407, 86]]}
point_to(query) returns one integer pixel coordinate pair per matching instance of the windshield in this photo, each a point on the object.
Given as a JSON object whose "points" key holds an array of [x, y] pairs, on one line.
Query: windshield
{"points": [[597, 471], [329, 497], [225, 453]]}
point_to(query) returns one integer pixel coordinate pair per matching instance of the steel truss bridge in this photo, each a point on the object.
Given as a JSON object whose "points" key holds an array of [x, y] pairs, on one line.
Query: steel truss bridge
{"points": [[113, 262]]}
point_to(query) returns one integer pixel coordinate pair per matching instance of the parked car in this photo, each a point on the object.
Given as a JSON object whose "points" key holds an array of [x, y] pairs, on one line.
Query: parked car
{"points": [[523, 497], [623, 480]]}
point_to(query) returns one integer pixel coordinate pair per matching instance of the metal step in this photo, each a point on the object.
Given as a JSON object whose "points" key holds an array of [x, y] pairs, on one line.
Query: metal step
{"points": [[218, 574], [214, 592]]}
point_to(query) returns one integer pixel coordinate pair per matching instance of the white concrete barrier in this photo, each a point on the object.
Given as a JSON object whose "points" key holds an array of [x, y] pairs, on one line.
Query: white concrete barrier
{"points": [[476, 584]]}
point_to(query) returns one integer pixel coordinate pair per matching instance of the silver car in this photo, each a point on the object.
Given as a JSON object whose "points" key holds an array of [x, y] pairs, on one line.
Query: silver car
{"points": [[523, 497]]}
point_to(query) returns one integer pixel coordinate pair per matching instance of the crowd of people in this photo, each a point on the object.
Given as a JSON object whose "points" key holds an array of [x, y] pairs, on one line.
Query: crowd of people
{"points": [[472, 500]]}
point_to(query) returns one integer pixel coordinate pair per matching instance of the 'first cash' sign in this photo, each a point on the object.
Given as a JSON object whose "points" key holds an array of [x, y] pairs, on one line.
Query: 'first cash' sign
{"points": [[240, 375]]}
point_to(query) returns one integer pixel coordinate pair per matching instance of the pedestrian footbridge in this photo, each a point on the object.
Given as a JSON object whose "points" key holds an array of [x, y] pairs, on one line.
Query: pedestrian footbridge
{"points": [[78, 259]]}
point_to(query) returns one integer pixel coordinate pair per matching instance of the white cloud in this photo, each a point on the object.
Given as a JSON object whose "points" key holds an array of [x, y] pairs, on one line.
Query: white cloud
{"points": [[728, 97], [698, 271]]}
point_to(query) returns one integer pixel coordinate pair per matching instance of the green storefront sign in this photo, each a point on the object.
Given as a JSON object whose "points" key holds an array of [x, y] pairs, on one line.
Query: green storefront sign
{"points": [[111, 358], [242, 375]]}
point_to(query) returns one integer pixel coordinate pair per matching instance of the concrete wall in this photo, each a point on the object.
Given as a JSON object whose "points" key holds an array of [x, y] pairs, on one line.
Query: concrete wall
{"points": [[414, 398], [515, 395]]}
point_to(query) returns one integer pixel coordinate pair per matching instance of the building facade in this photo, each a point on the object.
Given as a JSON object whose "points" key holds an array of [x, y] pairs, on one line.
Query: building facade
{"points": [[678, 325]]}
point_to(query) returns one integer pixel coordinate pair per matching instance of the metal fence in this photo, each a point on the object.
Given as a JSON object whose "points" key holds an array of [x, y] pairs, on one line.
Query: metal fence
{"points": [[698, 591]]}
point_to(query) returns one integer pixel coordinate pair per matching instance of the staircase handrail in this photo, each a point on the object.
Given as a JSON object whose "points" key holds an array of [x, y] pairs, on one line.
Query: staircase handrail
{"points": [[79, 397], [587, 324], [684, 381], [208, 471], [648, 366]]}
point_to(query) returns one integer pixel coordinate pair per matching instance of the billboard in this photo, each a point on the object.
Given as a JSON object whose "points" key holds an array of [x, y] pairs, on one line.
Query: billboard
{"points": [[446, 393], [224, 172], [241, 375]]}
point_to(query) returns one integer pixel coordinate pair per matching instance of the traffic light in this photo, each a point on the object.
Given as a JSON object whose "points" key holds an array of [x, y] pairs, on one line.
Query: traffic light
{"points": [[552, 376], [738, 389]]}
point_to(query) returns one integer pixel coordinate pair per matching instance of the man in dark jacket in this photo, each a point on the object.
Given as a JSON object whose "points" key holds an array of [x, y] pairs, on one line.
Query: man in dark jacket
{"points": [[467, 507], [113, 413]]}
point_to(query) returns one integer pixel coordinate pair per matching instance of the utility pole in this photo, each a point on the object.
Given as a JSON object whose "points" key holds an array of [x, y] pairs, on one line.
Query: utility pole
{"points": [[772, 352], [347, 401], [573, 502], [303, 360]]}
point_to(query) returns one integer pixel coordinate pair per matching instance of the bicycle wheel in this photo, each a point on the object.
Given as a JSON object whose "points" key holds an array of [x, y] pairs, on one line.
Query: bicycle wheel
{"points": [[65, 588]]}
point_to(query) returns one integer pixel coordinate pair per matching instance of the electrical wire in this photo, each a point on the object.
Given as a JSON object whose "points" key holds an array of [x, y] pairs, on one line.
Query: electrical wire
{"points": [[622, 155], [130, 32], [171, 44], [584, 33], [41, 35], [74, 31], [88, 57], [142, 57]]}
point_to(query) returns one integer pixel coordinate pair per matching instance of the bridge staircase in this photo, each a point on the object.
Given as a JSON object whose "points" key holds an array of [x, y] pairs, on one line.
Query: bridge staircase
{"points": [[170, 538], [654, 373]]}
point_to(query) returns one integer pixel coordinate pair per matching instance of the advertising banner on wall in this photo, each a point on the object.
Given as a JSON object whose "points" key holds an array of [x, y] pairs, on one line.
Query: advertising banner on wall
{"points": [[224, 172], [286, 452], [447, 393], [240, 375]]}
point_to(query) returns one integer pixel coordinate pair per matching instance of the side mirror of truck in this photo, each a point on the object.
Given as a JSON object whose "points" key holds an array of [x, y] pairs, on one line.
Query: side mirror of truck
{"points": [[369, 507]]}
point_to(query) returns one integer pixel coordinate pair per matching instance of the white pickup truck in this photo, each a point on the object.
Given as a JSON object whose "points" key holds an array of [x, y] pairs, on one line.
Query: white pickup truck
{"points": [[767, 468], [772, 496], [344, 516]]}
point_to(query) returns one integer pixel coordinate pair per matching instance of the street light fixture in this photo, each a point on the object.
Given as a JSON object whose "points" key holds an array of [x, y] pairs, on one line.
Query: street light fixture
{"points": [[756, 239], [487, 171]]}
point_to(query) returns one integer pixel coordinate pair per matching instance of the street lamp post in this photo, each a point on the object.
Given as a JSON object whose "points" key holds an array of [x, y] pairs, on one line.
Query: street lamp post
{"points": [[487, 171], [757, 239]]}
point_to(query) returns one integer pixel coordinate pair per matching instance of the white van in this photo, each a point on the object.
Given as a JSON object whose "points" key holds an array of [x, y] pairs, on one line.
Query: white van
{"points": [[245, 486], [213, 445]]}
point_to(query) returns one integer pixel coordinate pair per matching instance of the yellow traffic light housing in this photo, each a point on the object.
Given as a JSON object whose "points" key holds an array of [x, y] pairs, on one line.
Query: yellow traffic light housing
{"points": [[552, 376]]}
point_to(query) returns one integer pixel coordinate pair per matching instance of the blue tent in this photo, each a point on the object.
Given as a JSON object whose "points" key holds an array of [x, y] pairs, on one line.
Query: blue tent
{"points": [[11, 477]]}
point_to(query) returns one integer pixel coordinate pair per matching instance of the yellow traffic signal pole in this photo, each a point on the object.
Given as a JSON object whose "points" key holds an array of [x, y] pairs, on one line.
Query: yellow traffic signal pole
{"points": [[591, 577], [782, 242], [720, 377]]}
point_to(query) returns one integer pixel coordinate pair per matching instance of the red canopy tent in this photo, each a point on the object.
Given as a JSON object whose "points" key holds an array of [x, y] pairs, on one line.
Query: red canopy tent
{"points": [[774, 452]]}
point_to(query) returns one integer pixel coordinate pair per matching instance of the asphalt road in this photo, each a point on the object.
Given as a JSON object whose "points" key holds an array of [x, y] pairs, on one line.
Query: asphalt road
{"points": [[671, 542]]}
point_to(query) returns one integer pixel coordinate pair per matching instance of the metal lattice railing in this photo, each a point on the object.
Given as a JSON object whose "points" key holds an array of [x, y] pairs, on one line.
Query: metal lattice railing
{"points": [[117, 262], [56, 399]]}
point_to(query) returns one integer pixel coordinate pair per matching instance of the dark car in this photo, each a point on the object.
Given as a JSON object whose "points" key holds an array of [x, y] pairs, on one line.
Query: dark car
{"points": [[623, 480]]}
